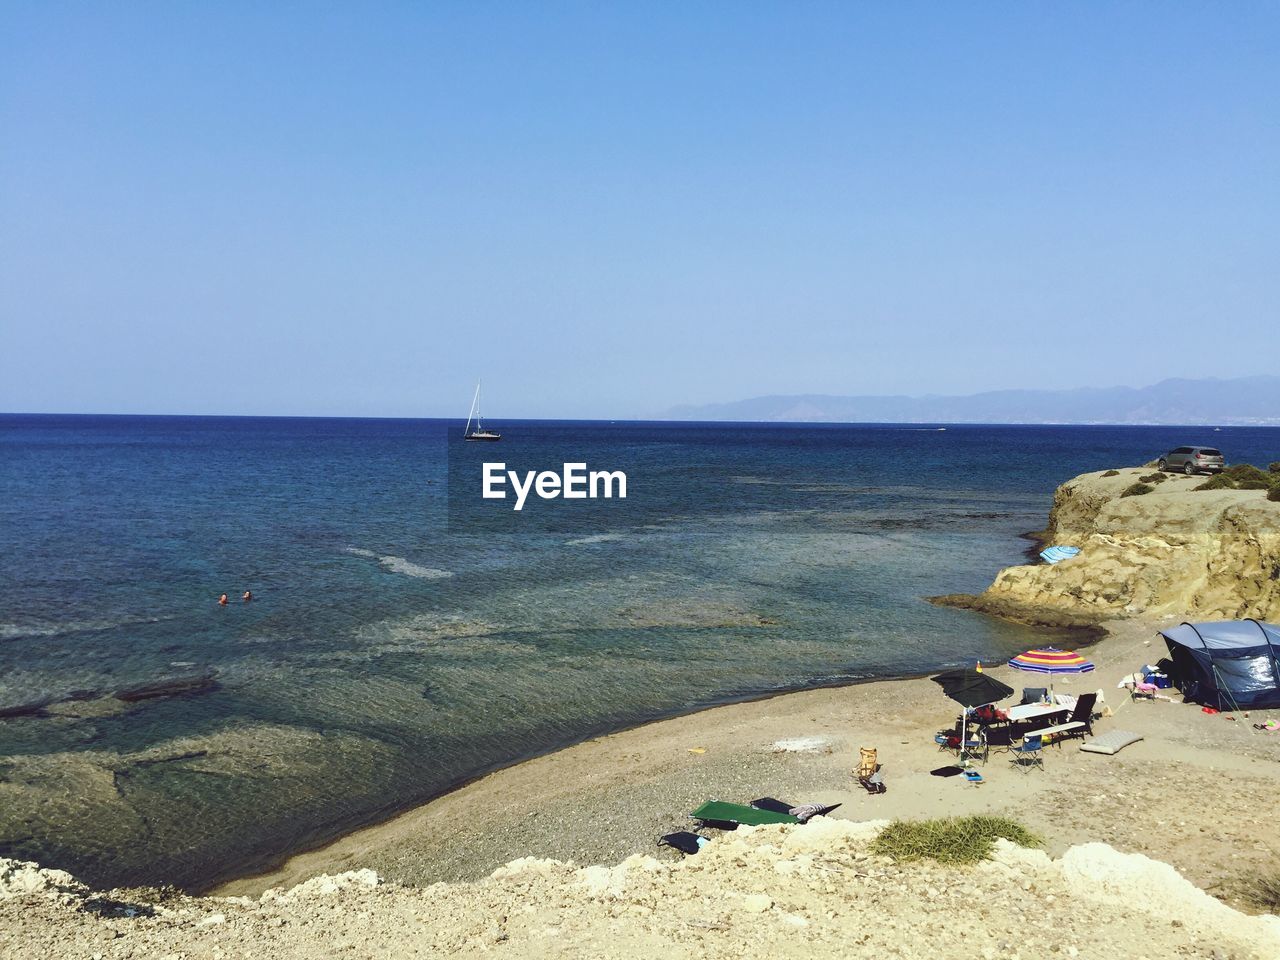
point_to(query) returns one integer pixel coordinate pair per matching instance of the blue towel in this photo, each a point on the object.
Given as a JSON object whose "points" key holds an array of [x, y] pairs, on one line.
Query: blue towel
{"points": [[1058, 554]]}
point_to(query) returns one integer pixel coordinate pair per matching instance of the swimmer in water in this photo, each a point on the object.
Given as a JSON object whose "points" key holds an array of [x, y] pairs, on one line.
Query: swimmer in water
{"points": [[248, 595], [222, 600]]}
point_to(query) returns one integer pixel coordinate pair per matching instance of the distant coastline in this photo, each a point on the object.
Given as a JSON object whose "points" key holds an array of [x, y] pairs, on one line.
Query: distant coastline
{"points": [[1239, 402]]}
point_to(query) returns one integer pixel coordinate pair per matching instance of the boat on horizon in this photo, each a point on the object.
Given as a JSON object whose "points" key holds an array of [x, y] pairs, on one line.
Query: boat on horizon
{"points": [[479, 433]]}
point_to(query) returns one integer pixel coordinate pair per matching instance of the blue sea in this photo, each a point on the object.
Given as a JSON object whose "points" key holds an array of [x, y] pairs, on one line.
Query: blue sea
{"points": [[395, 649]]}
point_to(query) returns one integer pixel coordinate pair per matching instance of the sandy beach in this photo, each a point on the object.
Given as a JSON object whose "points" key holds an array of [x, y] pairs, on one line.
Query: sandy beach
{"points": [[612, 797]]}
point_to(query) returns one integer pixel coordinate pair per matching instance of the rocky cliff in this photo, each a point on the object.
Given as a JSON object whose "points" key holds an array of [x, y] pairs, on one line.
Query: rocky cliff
{"points": [[776, 892], [1173, 551]]}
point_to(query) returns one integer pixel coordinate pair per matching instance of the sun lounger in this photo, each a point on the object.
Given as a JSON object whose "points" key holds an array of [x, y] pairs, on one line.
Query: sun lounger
{"points": [[727, 816], [1111, 742], [802, 812]]}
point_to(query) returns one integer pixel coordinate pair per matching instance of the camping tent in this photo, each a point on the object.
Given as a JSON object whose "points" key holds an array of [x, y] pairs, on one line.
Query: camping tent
{"points": [[1228, 664]]}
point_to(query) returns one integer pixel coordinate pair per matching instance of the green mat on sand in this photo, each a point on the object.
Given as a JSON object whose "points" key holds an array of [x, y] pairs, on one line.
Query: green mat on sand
{"points": [[717, 811]]}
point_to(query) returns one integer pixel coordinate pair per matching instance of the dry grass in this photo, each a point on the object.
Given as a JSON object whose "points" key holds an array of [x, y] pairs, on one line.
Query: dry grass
{"points": [[950, 840], [1261, 890]]}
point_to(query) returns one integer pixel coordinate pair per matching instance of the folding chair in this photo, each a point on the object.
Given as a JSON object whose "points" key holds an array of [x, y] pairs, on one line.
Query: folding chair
{"points": [[1030, 754], [868, 772]]}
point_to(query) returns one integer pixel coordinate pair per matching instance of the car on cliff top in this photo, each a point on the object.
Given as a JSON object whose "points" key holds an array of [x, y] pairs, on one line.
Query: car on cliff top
{"points": [[1193, 460]]}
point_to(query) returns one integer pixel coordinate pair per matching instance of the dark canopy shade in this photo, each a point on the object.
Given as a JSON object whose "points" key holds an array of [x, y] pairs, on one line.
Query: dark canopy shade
{"points": [[969, 688], [1227, 664]]}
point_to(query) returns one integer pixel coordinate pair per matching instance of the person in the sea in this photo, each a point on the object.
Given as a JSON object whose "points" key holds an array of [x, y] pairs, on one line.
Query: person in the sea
{"points": [[222, 600], [248, 595]]}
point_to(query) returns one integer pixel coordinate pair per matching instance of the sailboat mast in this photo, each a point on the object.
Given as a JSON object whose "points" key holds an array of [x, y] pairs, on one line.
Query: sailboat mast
{"points": [[475, 401]]}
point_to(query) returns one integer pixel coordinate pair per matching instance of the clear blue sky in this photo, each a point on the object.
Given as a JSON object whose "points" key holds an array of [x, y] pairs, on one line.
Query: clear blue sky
{"points": [[608, 209]]}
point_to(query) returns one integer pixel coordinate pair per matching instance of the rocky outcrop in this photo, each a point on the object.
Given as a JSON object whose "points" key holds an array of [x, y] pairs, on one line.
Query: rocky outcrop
{"points": [[779, 892], [1173, 551]]}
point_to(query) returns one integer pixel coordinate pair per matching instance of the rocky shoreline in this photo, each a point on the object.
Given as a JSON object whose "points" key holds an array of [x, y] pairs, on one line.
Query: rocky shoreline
{"points": [[1171, 549]]}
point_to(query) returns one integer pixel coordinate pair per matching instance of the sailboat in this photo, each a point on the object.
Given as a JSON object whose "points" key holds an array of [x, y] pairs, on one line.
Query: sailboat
{"points": [[479, 433]]}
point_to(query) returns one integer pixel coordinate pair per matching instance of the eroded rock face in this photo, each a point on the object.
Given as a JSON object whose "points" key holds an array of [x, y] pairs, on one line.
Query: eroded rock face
{"points": [[817, 890], [1205, 555]]}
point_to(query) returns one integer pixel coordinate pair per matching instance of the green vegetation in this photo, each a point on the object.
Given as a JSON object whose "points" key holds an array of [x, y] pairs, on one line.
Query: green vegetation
{"points": [[1137, 489], [1242, 476], [951, 840], [1274, 466], [1153, 478], [1218, 481], [1274, 493], [1112, 473]]}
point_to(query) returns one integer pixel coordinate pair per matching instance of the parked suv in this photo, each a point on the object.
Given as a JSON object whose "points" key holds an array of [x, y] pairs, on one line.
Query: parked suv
{"points": [[1192, 460]]}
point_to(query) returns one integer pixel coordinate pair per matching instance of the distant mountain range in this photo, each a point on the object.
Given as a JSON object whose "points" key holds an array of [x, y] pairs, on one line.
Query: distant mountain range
{"points": [[1238, 402]]}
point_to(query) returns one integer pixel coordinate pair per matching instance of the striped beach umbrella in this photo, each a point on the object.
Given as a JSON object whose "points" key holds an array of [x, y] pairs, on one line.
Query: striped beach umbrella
{"points": [[1051, 661]]}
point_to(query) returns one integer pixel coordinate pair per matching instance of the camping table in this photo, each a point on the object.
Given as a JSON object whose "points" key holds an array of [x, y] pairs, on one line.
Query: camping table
{"points": [[1034, 711], [1035, 715]]}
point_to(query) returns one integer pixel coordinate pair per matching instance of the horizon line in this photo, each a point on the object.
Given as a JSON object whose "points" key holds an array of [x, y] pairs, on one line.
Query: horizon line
{"points": [[1271, 423]]}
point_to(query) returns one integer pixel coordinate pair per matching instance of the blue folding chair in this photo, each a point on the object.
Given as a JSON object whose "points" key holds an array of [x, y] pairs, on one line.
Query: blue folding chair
{"points": [[1030, 754]]}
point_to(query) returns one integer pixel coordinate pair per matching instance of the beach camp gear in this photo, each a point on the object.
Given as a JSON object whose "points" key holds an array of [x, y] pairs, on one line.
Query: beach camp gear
{"points": [[958, 739], [988, 713], [974, 777], [868, 772], [1111, 742], [1058, 554], [1078, 724], [1051, 661], [971, 688], [1034, 695], [1083, 712], [807, 811], [728, 816], [1030, 754], [771, 803], [804, 812], [1058, 733], [1227, 664], [684, 841]]}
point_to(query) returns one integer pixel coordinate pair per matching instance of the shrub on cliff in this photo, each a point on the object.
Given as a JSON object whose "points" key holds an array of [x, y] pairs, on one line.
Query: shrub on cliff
{"points": [[1153, 478], [1246, 473], [1112, 473], [1137, 489], [1274, 467], [1243, 476], [950, 840], [1274, 493]]}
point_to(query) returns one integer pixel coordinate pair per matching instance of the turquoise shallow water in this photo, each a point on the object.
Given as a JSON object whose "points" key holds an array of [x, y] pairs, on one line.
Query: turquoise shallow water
{"points": [[396, 647]]}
